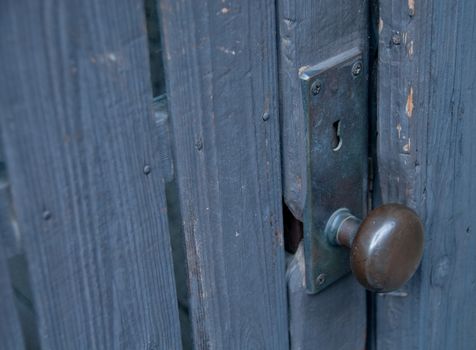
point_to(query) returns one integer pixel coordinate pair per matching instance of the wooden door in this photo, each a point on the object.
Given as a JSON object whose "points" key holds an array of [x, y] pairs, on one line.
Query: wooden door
{"points": [[426, 103], [108, 243], [421, 106]]}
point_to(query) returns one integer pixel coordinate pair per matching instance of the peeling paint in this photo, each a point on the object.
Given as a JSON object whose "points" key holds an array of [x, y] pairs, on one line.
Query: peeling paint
{"points": [[227, 51], [302, 69], [407, 147], [409, 105], [411, 7], [410, 49], [399, 129]]}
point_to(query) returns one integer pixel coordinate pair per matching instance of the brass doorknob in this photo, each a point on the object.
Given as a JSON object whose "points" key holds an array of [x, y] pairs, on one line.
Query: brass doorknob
{"points": [[385, 249]]}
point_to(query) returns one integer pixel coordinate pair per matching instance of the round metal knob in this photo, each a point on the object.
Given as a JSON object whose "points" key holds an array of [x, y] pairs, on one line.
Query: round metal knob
{"points": [[385, 249]]}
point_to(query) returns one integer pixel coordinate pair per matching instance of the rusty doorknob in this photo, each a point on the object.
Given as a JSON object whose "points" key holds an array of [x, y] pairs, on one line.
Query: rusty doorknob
{"points": [[385, 248]]}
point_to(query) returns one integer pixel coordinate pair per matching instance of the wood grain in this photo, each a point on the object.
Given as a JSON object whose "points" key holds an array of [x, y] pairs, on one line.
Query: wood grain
{"points": [[222, 92], [427, 158], [78, 130], [310, 32], [9, 236], [319, 321], [11, 337]]}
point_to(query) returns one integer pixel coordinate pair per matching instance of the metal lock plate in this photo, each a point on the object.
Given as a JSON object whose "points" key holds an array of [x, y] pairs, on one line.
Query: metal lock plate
{"points": [[335, 103]]}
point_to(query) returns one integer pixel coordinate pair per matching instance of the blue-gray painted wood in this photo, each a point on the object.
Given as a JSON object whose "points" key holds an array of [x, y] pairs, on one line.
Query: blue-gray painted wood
{"points": [[221, 75], [78, 130], [319, 321], [427, 158], [9, 235], [11, 337], [310, 32]]}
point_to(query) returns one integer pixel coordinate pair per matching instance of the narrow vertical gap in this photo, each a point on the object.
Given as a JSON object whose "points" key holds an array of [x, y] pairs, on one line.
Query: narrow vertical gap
{"points": [[17, 263], [177, 237], [156, 63], [292, 228], [373, 193], [23, 298]]}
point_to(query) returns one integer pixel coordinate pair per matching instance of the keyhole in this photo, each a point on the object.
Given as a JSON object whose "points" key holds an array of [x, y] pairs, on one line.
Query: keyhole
{"points": [[336, 139]]}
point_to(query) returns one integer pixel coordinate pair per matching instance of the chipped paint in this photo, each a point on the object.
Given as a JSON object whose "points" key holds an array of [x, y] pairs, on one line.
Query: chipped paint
{"points": [[404, 37], [410, 49], [407, 147], [227, 51], [380, 25], [409, 105], [399, 129], [112, 57], [411, 7], [302, 69]]}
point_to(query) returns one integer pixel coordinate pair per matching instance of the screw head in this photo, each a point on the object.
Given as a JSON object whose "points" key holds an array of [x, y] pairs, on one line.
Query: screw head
{"points": [[357, 68], [321, 279], [46, 215], [199, 144], [316, 87], [147, 169]]}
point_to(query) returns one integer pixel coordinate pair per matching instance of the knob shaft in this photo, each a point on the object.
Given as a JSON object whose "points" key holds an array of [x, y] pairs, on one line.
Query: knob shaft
{"points": [[385, 249]]}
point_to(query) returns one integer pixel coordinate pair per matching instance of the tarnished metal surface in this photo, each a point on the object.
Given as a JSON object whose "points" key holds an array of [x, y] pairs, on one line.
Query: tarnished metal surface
{"points": [[335, 102], [387, 248]]}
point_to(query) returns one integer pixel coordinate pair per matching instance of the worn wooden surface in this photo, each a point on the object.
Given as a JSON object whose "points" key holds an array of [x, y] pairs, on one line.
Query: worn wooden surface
{"points": [[222, 94], [9, 236], [11, 337], [427, 158], [78, 131], [310, 32], [318, 322]]}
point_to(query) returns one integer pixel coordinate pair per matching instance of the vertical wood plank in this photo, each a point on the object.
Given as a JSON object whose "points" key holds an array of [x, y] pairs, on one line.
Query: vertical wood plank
{"points": [[427, 158], [78, 132], [310, 32], [222, 94], [9, 238], [11, 337], [334, 319]]}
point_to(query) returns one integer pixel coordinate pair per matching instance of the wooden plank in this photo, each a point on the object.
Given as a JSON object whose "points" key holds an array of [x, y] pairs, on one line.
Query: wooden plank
{"points": [[78, 131], [310, 32], [318, 322], [427, 158], [9, 237], [221, 80], [11, 337]]}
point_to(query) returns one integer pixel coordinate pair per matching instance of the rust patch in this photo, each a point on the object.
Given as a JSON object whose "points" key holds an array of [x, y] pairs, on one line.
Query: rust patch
{"points": [[409, 105]]}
